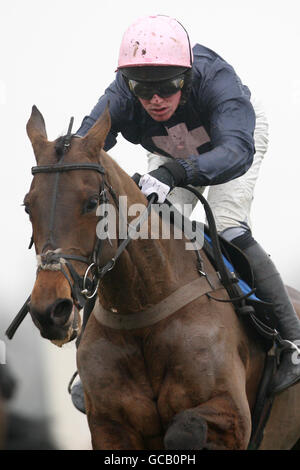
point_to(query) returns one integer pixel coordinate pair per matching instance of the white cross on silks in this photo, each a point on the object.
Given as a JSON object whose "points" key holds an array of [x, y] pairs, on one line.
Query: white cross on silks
{"points": [[180, 142]]}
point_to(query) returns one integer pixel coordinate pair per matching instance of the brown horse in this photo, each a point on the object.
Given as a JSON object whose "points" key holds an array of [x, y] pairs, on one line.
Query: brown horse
{"points": [[187, 380]]}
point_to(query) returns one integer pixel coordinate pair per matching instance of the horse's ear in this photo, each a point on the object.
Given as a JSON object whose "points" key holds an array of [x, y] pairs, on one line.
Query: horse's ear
{"points": [[96, 136], [36, 129]]}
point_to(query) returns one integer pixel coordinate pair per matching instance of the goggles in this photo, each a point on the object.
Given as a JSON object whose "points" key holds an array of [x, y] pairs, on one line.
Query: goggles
{"points": [[163, 89]]}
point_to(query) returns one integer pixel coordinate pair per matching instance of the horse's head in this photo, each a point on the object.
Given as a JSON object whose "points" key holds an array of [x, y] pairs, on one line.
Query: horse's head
{"points": [[66, 190]]}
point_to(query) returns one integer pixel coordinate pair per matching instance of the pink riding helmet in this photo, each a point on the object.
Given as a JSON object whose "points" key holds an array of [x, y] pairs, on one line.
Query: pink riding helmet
{"points": [[155, 40]]}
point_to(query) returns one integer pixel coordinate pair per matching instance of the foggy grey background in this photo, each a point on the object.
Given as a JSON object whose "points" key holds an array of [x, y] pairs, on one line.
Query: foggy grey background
{"points": [[60, 56]]}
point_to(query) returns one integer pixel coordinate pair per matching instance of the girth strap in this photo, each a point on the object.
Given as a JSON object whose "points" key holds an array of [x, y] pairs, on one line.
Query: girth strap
{"points": [[171, 304]]}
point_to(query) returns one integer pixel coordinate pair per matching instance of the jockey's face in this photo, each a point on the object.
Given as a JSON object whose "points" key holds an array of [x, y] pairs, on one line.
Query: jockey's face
{"points": [[161, 109]]}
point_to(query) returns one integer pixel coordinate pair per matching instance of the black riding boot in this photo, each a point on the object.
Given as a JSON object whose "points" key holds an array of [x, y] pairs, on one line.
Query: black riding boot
{"points": [[269, 287]]}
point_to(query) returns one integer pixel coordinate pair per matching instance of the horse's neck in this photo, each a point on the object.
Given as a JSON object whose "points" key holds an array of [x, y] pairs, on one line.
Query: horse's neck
{"points": [[141, 277], [149, 269]]}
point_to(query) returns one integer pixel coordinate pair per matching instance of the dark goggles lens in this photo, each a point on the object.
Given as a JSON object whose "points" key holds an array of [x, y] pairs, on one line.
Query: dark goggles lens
{"points": [[163, 89]]}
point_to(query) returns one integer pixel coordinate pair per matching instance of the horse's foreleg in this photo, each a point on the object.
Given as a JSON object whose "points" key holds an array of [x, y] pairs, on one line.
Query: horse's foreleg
{"points": [[216, 424], [128, 430], [110, 434]]}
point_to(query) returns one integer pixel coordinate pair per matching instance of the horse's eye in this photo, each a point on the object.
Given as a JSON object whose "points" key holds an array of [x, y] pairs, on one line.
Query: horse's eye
{"points": [[91, 204]]}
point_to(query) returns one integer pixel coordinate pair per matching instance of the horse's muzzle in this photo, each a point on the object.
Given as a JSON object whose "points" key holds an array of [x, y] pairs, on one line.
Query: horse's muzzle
{"points": [[57, 323], [60, 311]]}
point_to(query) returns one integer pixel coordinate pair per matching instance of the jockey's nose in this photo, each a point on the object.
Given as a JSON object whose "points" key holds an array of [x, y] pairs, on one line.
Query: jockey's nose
{"points": [[156, 99]]}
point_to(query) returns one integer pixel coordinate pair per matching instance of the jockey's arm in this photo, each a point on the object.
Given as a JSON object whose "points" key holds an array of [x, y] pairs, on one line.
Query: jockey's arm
{"points": [[231, 122]]}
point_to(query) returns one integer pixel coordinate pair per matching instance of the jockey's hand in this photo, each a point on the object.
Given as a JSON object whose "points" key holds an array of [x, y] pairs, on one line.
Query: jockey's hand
{"points": [[151, 185], [162, 180]]}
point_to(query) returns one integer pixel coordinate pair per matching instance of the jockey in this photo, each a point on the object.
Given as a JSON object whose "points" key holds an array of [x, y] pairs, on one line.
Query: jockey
{"points": [[200, 126]]}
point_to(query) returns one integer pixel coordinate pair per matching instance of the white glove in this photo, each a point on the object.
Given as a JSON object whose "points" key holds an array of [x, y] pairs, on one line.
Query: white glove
{"points": [[150, 185]]}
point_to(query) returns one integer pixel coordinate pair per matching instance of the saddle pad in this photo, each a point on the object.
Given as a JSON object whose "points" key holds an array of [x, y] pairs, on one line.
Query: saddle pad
{"points": [[242, 284], [263, 310]]}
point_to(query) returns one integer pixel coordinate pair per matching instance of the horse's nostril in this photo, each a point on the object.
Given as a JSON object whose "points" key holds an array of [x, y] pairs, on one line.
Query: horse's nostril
{"points": [[61, 311]]}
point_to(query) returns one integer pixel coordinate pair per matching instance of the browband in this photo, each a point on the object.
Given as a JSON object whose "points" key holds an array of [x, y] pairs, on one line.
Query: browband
{"points": [[59, 168]]}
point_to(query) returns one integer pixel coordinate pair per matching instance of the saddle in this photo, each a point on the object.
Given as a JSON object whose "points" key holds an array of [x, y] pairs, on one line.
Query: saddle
{"points": [[234, 271]]}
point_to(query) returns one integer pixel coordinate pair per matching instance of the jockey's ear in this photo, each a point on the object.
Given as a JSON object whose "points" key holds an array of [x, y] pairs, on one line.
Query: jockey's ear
{"points": [[36, 130], [95, 138]]}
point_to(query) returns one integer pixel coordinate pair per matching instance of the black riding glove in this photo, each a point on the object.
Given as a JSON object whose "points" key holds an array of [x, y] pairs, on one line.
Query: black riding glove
{"points": [[171, 173]]}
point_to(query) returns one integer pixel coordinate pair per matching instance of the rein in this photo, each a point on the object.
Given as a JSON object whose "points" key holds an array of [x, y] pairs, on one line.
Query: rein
{"points": [[83, 289]]}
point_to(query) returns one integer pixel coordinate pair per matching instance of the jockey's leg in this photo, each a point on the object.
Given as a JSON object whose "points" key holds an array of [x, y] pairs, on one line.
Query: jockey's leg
{"points": [[271, 288], [231, 204]]}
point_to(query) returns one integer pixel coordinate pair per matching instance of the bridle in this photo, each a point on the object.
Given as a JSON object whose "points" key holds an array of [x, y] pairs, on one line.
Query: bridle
{"points": [[82, 287], [54, 259]]}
